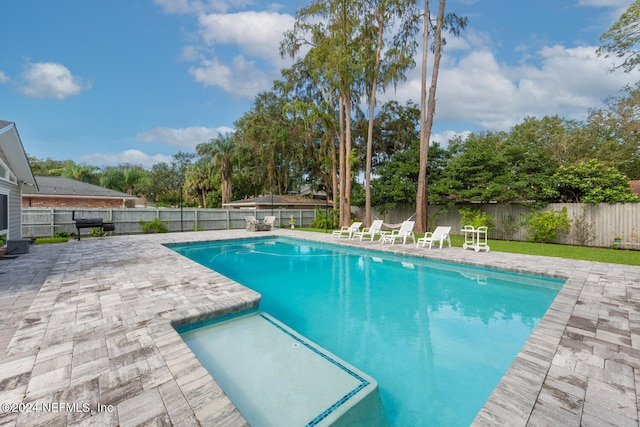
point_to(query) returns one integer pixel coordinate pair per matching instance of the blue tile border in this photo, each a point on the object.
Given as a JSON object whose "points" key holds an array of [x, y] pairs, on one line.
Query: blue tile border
{"points": [[363, 382]]}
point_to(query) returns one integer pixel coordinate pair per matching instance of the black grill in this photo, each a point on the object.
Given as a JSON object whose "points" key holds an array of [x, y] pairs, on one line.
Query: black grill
{"points": [[92, 223]]}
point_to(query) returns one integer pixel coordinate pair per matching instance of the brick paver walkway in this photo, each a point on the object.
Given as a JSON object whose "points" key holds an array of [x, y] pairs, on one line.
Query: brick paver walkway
{"points": [[89, 325]]}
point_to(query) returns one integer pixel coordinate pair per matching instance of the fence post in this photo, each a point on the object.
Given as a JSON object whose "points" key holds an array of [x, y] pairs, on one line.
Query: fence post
{"points": [[53, 222]]}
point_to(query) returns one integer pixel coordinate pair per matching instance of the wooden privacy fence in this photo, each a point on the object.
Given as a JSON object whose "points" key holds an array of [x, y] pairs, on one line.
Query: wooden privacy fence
{"points": [[608, 222], [45, 222]]}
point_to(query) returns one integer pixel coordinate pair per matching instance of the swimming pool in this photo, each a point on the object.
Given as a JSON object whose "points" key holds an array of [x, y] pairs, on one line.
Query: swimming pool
{"points": [[437, 337]]}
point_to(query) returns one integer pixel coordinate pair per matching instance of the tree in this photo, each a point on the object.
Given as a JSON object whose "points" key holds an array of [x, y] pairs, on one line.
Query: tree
{"points": [[199, 179], [44, 167], [478, 171], [133, 177], [315, 98], [270, 142], [223, 160], [112, 177], [622, 39], [427, 107], [614, 131], [397, 183], [330, 28], [589, 182], [217, 156], [82, 172], [387, 64]]}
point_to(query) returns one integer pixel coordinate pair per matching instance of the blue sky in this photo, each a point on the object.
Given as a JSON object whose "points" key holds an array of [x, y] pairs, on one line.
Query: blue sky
{"points": [[136, 81]]}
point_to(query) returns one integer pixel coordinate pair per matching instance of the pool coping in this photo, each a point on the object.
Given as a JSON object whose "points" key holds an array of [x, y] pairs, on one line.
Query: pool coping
{"points": [[101, 329]]}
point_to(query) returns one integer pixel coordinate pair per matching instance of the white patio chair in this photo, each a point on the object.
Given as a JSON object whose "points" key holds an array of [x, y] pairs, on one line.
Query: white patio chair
{"points": [[406, 230], [270, 220], [440, 234], [347, 231], [376, 228]]}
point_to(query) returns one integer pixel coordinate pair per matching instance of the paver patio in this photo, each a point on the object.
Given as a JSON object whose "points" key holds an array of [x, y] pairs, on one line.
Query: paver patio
{"points": [[87, 336]]}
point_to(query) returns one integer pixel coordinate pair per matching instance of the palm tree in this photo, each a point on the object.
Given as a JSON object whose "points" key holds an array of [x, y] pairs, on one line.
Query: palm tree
{"points": [[199, 180], [132, 178], [220, 152]]}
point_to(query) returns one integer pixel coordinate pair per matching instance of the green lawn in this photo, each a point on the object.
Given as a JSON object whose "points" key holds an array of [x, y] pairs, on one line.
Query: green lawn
{"points": [[615, 256]]}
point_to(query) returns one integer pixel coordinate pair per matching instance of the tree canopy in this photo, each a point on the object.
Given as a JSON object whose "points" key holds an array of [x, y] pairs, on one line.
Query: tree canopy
{"points": [[623, 38]]}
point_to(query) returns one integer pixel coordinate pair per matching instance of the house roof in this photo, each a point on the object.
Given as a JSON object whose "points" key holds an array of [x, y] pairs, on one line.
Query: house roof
{"points": [[67, 187], [276, 200], [11, 146]]}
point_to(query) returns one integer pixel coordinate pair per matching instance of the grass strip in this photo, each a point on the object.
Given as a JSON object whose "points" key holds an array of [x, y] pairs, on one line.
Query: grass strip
{"points": [[614, 256]]}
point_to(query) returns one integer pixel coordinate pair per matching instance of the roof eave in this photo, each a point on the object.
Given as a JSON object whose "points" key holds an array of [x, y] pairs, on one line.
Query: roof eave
{"points": [[16, 156]]}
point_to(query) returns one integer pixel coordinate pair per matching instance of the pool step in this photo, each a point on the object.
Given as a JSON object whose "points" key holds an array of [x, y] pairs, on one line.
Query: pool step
{"points": [[276, 377]]}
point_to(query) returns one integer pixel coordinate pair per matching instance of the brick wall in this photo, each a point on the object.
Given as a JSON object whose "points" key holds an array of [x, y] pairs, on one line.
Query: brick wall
{"points": [[69, 202]]}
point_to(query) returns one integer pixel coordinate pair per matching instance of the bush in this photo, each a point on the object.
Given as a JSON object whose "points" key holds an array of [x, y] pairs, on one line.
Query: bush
{"points": [[324, 221], [155, 226], [583, 230], [508, 227], [545, 226], [477, 218], [61, 234]]}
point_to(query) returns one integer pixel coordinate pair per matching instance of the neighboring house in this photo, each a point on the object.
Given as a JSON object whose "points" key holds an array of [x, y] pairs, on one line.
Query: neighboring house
{"points": [[15, 176], [279, 202], [58, 192]]}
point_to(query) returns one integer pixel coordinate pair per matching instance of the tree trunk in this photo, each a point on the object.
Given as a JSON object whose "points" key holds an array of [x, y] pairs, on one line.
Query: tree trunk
{"points": [[372, 106], [347, 149], [341, 156], [427, 111]]}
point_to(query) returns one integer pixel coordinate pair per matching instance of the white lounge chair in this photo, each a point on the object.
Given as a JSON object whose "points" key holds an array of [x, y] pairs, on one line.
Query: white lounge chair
{"points": [[376, 228], [347, 231], [440, 234], [270, 220], [406, 230]]}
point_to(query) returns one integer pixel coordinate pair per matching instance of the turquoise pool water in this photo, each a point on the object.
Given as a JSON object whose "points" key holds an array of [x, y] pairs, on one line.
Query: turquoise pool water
{"points": [[436, 336]]}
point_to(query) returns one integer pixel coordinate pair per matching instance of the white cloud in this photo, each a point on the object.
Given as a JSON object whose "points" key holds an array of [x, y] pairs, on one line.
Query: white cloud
{"points": [[443, 138], [185, 138], [478, 89], [4, 78], [50, 80], [236, 52], [133, 157], [257, 34], [199, 6], [241, 77], [605, 3]]}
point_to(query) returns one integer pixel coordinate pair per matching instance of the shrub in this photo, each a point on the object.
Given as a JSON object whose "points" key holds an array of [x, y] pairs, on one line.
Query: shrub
{"points": [[582, 230], [61, 234], [508, 227], [324, 221], [154, 226], [477, 218], [545, 226]]}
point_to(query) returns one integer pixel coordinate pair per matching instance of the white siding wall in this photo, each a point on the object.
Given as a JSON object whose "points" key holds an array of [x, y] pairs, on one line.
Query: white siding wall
{"points": [[15, 204], [15, 209]]}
